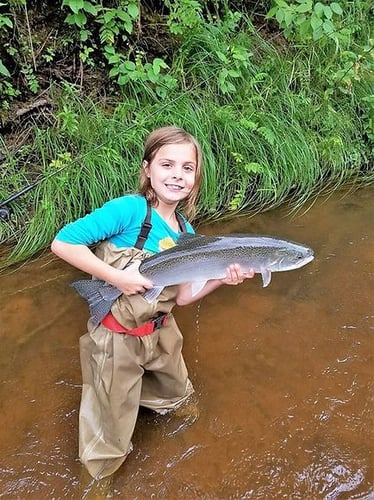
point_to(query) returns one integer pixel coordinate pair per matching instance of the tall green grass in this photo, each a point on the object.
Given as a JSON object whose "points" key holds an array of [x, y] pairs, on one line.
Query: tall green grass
{"points": [[285, 133]]}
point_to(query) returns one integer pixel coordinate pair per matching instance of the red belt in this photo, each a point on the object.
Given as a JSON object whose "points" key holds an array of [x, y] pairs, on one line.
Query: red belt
{"points": [[112, 324]]}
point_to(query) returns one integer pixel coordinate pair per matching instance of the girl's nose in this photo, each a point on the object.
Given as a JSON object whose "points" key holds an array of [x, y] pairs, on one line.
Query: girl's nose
{"points": [[177, 172]]}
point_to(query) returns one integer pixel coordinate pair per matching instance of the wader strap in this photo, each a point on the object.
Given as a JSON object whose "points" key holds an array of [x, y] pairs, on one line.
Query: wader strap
{"points": [[144, 230], [110, 322], [182, 224], [147, 226]]}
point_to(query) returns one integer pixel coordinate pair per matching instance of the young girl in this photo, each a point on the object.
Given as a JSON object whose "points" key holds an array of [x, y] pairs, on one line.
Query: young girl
{"points": [[129, 359]]}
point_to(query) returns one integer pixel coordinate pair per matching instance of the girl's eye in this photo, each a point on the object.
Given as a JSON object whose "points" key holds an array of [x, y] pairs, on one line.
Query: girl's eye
{"points": [[189, 168]]}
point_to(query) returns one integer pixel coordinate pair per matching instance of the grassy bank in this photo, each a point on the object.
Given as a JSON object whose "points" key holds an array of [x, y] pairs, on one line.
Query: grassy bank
{"points": [[276, 122]]}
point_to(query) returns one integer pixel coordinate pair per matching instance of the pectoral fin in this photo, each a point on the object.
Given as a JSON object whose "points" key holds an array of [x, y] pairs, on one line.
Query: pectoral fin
{"points": [[152, 294], [266, 277], [196, 287]]}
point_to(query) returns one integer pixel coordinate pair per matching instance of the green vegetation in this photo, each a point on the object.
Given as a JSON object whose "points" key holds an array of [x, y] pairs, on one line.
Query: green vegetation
{"points": [[282, 113]]}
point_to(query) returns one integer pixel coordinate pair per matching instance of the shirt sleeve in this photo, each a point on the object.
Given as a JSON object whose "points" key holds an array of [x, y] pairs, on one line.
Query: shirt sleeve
{"points": [[111, 219]]}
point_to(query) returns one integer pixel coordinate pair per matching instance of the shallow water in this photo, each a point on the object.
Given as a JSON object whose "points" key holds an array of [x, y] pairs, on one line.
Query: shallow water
{"points": [[283, 377]]}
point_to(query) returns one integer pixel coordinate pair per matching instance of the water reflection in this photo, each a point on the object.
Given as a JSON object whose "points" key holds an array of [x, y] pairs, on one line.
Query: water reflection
{"points": [[283, 377]]}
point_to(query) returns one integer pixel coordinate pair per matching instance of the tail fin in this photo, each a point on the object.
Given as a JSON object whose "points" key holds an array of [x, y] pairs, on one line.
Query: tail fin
{"points": [[99, 295]]}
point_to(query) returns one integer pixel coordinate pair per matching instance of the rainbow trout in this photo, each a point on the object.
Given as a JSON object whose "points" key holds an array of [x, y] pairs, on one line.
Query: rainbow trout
{"points": [[196, 259]]}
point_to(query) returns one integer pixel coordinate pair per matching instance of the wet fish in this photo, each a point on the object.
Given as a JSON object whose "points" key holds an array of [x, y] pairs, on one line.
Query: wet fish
{"points": [[198, 258]]}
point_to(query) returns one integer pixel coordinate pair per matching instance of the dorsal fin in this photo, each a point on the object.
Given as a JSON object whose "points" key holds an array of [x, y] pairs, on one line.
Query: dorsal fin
{"points": [[184, 237]]}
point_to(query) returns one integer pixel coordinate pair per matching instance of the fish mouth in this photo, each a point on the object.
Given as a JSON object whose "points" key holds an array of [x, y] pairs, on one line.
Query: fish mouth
{"points": [[306, 260]]}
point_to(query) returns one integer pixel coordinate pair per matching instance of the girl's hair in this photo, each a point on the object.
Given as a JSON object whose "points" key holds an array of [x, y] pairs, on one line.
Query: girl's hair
{"points": [[158, 138]]}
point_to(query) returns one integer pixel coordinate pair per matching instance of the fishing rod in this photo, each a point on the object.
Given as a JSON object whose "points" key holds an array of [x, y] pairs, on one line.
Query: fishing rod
{"points": [[5, 211]]}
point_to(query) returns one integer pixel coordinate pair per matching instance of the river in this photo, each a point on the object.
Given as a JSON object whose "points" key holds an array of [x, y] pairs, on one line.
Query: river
{"points": [[283, 376]]}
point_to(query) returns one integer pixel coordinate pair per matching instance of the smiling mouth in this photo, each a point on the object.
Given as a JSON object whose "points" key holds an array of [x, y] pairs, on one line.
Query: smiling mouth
{"points": [[175, 187]]}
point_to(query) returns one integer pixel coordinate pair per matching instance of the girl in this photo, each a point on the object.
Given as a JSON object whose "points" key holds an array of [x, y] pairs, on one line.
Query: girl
{"points": [[130, 359]]}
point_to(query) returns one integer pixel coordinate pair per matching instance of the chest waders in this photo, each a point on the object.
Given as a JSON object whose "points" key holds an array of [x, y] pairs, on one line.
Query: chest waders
{"points": [[123, 371], [109, 321]]}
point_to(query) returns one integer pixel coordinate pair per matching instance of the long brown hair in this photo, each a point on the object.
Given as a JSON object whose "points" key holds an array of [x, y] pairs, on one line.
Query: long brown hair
{"points": [[158, 138]]}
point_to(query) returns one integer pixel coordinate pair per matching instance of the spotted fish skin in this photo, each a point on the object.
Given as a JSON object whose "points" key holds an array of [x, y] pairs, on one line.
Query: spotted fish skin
{"points": [[198, 258]]}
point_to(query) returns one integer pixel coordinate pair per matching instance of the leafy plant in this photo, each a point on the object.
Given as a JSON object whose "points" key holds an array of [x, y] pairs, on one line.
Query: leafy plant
{"points": [[80, 9], [354, 66], [32, 81], [117, 21], [7, 90], [184, 15], [309, 20], [368, 105], [68, 120], [116, 24], [139, 74], [5, 24]]}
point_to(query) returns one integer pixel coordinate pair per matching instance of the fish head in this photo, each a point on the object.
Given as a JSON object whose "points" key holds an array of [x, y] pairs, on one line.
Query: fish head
{"points": [[292, 256]]}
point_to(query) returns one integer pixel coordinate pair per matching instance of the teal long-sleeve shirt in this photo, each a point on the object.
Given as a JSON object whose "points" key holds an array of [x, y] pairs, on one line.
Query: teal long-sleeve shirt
{"points": [[119, 221]]}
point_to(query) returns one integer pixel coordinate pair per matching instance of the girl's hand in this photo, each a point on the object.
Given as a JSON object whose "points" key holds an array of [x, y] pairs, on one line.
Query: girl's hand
{"points": [[235, 275], [130, 281]]}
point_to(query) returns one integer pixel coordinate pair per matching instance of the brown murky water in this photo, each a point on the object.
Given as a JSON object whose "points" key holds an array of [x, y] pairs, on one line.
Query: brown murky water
{"points": [[283, 377]]}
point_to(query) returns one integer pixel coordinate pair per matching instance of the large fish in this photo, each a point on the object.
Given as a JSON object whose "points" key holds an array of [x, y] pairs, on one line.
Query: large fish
{"points": [[196, 259]]}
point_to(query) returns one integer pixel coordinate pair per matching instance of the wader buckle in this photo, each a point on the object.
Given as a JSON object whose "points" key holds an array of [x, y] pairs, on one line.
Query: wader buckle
{"points": [[159, 321]]}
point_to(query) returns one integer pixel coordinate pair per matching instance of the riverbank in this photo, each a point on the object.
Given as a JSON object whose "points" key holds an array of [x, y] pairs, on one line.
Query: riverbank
{"points": [[278, 119]]}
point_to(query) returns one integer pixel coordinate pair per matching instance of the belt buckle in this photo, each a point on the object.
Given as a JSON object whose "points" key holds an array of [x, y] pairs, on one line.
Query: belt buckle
{"points": [[158, 321]]}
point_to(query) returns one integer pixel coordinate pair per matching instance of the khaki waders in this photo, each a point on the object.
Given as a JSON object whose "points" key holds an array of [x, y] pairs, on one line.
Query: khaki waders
{"points": [[121, 372]]}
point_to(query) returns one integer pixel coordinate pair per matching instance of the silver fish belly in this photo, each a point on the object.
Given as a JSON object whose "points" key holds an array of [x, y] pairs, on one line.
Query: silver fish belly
{"points": [[196, 259]]}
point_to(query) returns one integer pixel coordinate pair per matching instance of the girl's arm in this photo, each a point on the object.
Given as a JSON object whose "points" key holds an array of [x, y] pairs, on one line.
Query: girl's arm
{"points": [[128, 280], [234, 276]]}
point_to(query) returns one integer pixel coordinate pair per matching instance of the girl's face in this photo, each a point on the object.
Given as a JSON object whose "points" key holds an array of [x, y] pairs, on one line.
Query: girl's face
{"points": [[172, 172]]}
